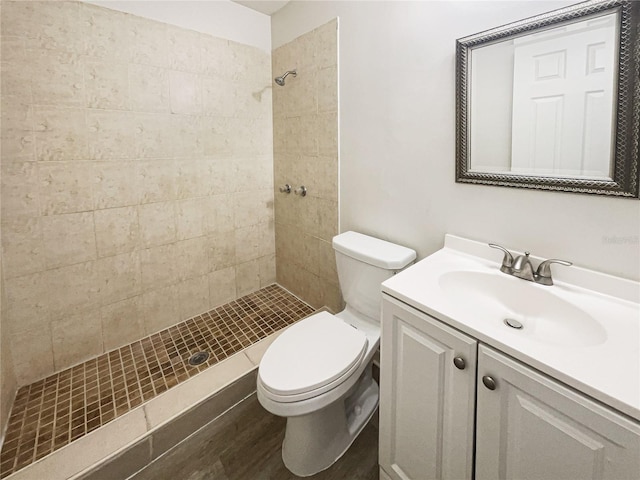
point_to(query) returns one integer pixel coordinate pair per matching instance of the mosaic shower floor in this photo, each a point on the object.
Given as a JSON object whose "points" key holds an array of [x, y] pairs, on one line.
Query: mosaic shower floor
{"points": [[63, 407]]}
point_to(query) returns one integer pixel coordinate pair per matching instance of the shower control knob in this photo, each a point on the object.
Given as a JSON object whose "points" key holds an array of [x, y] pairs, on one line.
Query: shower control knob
{"points": [[286, 188], [489, 382], [302, 191], [459, 363]]}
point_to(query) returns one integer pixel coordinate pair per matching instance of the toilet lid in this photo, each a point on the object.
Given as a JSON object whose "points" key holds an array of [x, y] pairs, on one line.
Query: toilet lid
{"points": [[311, 354]]}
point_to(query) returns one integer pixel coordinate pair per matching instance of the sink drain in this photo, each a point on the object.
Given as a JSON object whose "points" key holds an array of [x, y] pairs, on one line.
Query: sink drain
{"points": [[198, 358], [513, 323]]}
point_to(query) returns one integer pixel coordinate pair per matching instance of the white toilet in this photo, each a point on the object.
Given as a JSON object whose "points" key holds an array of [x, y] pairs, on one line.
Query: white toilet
{"points": [[317, 373]]}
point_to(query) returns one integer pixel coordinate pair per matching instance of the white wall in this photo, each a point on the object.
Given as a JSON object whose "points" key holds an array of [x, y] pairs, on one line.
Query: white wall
{"points": [[220, 18], [397, 134]]}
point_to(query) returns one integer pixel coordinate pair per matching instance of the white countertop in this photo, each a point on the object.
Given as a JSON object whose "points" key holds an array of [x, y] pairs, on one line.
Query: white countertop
{"points": [[608, 371]]}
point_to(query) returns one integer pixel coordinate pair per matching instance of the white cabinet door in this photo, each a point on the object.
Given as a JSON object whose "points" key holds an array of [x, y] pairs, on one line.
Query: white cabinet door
{"points": [[426, 402], [532, 427]]}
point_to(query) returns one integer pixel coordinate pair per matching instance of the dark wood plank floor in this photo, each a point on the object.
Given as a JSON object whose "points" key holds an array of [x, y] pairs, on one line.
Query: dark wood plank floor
{"points": [[245, 444]]}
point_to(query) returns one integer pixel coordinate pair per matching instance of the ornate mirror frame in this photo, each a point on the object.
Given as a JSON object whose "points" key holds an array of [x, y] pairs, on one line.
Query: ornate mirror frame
{"points": [[625, 179]]}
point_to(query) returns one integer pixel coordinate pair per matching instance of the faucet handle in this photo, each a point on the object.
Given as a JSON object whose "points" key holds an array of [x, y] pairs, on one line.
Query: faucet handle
{"points": [[543, 274], [507, 260]]}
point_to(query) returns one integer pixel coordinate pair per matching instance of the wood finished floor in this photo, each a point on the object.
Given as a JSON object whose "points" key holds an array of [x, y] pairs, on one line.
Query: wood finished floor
{"points": [[245, 444]]}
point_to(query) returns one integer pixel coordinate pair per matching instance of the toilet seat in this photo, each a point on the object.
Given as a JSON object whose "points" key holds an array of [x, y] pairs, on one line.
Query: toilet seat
{"points": [[311, 357]]}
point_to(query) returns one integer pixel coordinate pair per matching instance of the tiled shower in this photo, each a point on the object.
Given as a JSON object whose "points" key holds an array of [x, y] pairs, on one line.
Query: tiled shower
{"points": [[138, 189]]}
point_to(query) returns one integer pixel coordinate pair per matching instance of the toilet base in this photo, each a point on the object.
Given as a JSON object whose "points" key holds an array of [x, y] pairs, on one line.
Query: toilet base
{"points": [[315, 441]]}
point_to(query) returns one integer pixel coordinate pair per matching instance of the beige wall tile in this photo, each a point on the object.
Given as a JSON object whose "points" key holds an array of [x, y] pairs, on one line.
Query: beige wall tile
{"points": [[27, 302], [106, 84], [16, 130], [112, 134], [327, 269], [220, 213], [327, 131], [120, 277], [20, 195], [116, 184], [154, 139], [72, 289], [157, 181], [192, 179], [185, 133], [16, 80], [64, 74], [52, 25], [161, 309], [149, 87], [37, 345], [305, 215], [222, 286], [268, 238], [148, 41], [117, 230], [326, 43], [267, 270], [331, 296], [105, 33], [248, 243], [191, 218], [122, 323], [247, 277], [157, 223], [184, 49], [327, 219], [215, 55], [254, 208], [60, 133], [327, 85], [310, 288], [68, 239], [222, 250], [325, 170], [192, 257], [186, 95], [221, 176], [22, 246], [66, 187], [193, 296], [76, 338], [159, 266]]}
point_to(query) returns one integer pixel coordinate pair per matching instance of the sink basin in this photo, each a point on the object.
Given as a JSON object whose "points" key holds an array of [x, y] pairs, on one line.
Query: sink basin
{"points": [[544, 316]]}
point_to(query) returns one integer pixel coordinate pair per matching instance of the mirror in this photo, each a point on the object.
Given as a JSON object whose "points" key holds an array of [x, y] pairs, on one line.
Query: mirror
{"points": [[552, 102]]}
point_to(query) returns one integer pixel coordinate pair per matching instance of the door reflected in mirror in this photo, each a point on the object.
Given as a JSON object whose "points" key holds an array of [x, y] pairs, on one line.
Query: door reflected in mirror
{"points": [[551, 102], [547, 106]]}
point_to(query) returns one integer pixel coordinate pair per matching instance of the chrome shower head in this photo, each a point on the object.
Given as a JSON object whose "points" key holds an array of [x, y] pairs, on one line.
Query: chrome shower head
{"points": [[280, 80]]}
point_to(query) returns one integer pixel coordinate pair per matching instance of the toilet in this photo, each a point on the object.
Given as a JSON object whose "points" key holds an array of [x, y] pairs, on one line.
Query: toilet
{"points": [[318, 372]]}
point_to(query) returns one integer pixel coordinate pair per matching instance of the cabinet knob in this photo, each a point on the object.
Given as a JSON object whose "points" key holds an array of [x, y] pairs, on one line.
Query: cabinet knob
{"points": [[489, 382], [459, 363]]}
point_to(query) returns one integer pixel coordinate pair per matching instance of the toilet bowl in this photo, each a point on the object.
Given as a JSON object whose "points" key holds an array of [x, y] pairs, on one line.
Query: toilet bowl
{"points": [[318, 372]]}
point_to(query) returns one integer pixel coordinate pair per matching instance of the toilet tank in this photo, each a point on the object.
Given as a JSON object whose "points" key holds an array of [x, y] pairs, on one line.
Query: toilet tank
{"points": [[363, 263]]}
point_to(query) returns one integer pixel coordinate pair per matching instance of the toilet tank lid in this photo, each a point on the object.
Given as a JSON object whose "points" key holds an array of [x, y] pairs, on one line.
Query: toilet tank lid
{"points": [[373, 251]]}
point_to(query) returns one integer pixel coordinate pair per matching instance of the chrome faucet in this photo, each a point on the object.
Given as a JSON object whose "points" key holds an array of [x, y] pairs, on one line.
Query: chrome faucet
{"points": [[522, 267]]}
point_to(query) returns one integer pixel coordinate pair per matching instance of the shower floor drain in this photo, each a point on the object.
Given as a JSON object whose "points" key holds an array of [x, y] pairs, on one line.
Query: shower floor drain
{"points": [[198, 358]]}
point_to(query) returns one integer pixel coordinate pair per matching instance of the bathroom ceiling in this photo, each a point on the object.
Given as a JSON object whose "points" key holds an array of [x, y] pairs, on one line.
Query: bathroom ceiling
{"points": [[268, 7]]}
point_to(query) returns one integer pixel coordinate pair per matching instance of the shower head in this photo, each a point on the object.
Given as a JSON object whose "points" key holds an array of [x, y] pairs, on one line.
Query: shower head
{"points": [[280, 80]]}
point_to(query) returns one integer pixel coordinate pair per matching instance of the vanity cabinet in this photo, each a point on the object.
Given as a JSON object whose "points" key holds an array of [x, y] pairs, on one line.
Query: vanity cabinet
{"points": [[530, 426], [427, 396], [527, 425]]}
